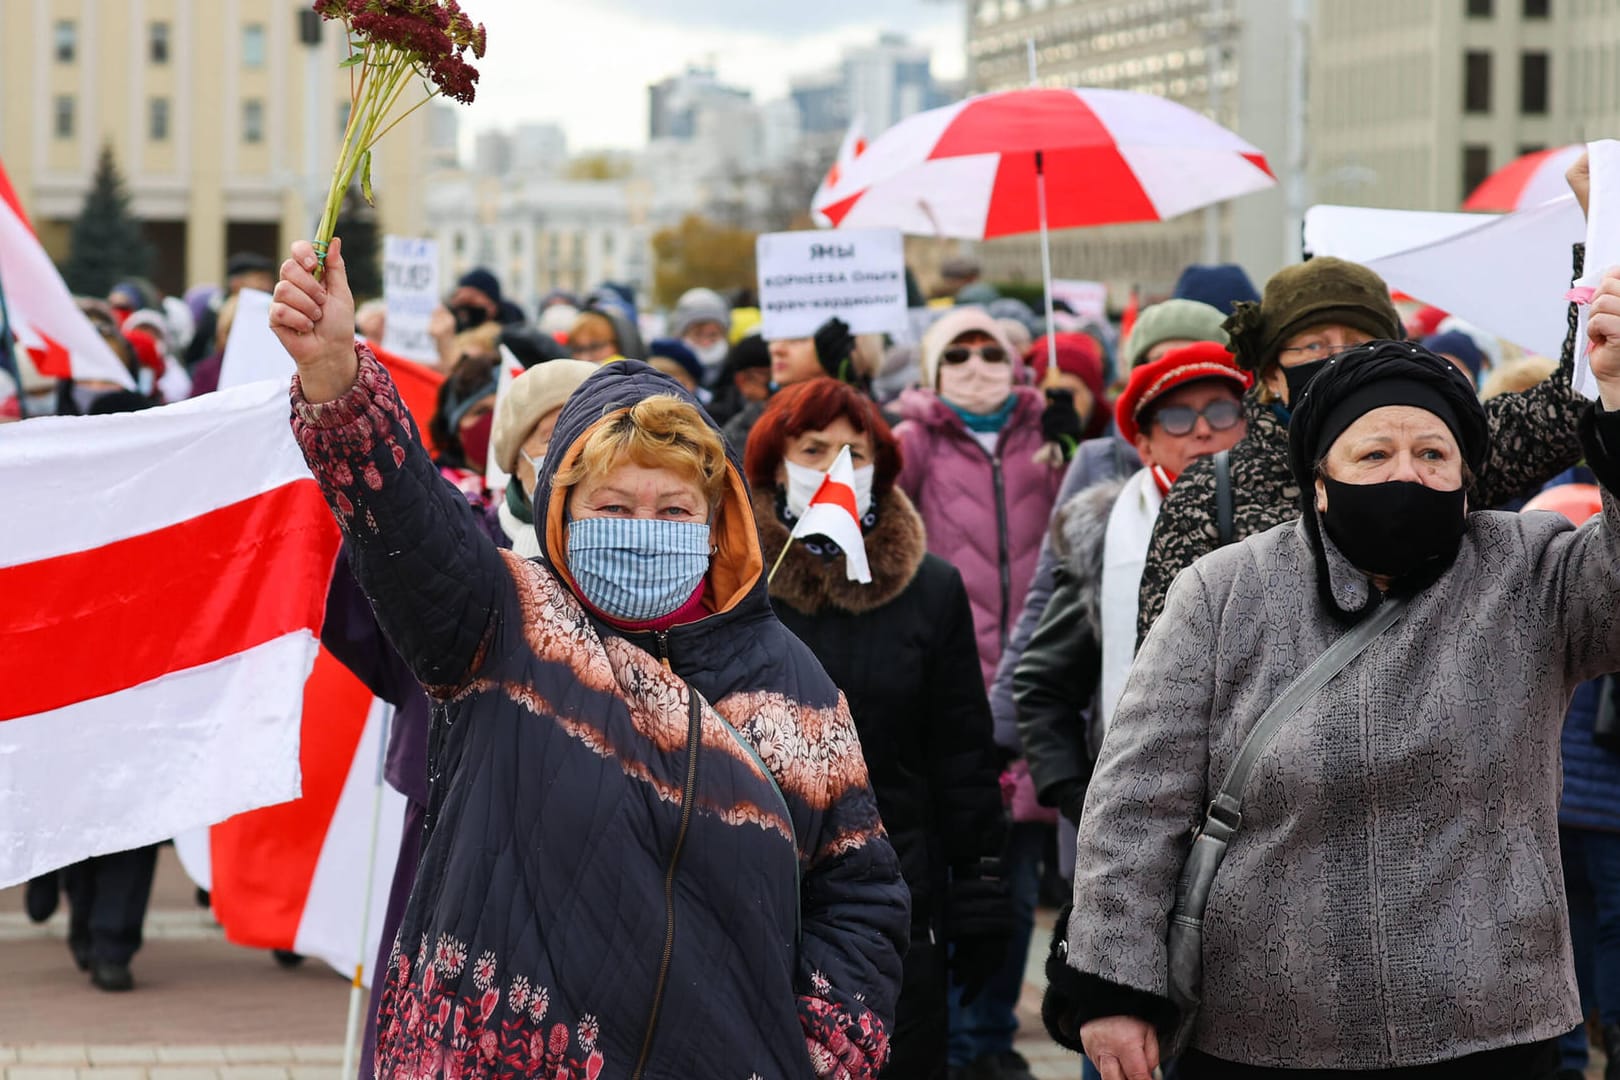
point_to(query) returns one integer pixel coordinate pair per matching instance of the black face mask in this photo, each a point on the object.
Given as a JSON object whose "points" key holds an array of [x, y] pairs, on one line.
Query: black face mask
{"points": [[469, 316], [1299, 377], [1394, 528]]}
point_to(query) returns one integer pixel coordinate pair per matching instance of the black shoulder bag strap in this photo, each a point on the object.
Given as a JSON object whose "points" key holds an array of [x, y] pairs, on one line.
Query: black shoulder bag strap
{"points": [[1185, 944], [1223, 497]]}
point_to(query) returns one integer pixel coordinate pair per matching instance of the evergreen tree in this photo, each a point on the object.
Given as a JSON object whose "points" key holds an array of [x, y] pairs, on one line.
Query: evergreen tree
{"points": [[357, 225], [107, 243]]}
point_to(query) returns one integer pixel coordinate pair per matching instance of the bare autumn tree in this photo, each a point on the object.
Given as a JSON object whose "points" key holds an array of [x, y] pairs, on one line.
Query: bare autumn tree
{"points": [[701, 252]]}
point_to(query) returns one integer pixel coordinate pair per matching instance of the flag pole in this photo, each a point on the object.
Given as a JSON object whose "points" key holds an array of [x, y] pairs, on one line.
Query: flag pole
{"points": [[778, 564], [1046, 243], [357, 988]]}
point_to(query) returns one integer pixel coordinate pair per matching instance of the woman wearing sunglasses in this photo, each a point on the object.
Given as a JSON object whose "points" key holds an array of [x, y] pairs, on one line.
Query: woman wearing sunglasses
{"points": [[972, 446], [1181, 407]]}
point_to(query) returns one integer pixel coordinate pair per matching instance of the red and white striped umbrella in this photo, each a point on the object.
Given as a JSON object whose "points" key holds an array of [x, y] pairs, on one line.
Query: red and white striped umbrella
{"points": [[1527, 181], [970, 170]]}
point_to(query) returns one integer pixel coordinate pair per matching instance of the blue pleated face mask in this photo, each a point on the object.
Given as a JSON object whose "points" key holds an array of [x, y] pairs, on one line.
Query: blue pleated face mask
{"points": [[637, 569]]}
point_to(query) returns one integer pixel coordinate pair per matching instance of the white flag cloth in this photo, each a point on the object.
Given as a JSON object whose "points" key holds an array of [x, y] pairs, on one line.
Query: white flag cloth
{"points": [[165, 575], [832, 513], [58, 336], [1503, 273], [832, 189]]}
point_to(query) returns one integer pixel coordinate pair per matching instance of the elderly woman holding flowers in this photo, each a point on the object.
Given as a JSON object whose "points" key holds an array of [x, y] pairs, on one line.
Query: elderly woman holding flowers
{"points": [[652, 848]]}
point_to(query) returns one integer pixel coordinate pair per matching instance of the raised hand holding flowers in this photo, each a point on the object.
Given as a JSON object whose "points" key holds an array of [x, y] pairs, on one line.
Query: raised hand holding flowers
{"points": [[393, 46]]}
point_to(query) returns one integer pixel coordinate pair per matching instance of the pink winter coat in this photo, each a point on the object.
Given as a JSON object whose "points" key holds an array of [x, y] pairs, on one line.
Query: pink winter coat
{"points": [[985, 516]]}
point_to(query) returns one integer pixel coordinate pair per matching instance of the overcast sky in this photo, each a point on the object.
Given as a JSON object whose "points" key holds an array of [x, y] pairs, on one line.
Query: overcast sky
{"points": [[587, 63]]}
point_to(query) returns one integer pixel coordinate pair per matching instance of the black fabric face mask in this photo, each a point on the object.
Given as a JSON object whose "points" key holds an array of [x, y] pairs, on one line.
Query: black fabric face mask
{"points": [[1299, 377], [469, 316], [1395, 528]]}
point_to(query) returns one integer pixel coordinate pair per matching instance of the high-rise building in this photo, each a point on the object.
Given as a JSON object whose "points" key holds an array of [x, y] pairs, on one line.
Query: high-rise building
{"points": [[822, 101], [443, 134], [1414, 106], [492, 153], [1234, 60], [539, 149], [887, 81], [224, 119], [674, 104]]}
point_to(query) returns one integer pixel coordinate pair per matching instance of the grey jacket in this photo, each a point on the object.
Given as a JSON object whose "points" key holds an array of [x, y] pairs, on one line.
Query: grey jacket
{"points": [[1394, 895]]}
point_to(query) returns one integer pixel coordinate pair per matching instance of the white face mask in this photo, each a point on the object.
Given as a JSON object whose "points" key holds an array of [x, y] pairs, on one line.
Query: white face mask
{"points": [[976, 386], [711, 356], [803, 483]]}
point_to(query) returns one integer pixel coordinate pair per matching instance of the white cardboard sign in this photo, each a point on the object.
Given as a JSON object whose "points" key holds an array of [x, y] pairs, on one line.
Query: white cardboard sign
{"points": [[806, 278], [1087, 299], [410, 292], [1602, 249]]}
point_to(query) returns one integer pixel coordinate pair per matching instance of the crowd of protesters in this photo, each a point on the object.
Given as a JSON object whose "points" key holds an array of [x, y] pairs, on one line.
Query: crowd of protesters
{"points": [[645, 726]]}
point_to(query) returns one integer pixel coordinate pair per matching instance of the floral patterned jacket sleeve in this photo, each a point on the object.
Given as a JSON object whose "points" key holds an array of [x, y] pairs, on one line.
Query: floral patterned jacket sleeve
{"points": [[433, 575], [1533, 434], [855, 920]]}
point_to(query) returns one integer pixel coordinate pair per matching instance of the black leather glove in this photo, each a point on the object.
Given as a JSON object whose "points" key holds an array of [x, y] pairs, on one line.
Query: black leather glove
{"points": [[1060, 422], [979, 924], [835, 348]]}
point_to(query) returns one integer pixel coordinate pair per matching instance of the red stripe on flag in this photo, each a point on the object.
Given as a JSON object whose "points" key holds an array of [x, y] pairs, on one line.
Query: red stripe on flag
{"points": [[832, 493], [95, 622], [8, 195], [263, 861]]}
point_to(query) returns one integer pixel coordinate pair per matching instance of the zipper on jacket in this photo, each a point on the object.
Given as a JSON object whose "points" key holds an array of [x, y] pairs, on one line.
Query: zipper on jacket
{"points": [[694, 738], [1001, 538], [662, 638]]}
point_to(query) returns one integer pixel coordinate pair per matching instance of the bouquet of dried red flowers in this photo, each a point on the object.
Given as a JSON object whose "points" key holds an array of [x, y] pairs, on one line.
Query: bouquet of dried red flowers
{"points": [[394, 45]]}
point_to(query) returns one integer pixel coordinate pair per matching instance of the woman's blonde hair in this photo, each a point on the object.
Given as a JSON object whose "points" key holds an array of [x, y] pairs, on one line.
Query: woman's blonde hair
{"points": [[600, 323], [1517, 376], [657, 432], [482, 340]]}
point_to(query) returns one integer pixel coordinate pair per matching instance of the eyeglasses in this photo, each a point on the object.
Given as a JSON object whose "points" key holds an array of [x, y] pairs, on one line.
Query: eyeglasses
{"points": [[960, 354], [1221, 415], [1321, 350]]}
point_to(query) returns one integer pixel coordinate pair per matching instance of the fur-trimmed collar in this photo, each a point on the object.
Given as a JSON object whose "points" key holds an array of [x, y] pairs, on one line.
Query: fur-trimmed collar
{"points": [[895, 547], [1078, 532]]}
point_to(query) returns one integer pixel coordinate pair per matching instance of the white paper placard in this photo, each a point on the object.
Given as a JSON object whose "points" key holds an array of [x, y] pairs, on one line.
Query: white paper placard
{"points": [[806, 278], [1087, 299], [410, 292], [1602, 245]]}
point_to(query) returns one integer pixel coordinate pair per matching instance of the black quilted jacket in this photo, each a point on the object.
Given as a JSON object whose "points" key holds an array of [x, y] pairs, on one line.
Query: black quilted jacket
{"points": [[633, 867]]}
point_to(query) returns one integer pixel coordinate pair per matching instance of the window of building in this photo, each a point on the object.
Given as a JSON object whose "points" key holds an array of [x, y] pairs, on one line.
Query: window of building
{"points": [[1479, 9], [63, 115], [157, 42], [1477, 82], [1476, 166], [157, 123], [253, 45], [1533, 83], [66, 41], [253, 121], [1530, 148], [1537, 9]]}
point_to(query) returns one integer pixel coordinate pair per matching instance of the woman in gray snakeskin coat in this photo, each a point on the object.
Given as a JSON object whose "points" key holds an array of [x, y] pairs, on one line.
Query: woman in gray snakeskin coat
{"points": [[1392, 903]]}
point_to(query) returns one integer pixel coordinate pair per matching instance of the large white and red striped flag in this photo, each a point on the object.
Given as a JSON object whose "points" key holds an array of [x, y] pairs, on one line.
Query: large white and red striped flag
{"points": [[833, 513], [165, 577], [830, 192], [49, 325]]}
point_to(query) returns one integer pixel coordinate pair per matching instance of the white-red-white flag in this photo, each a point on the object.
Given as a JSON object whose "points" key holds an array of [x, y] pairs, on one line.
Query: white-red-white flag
{"points": [[165, 576], [830, 191], [58, 337], [834, 513]]}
